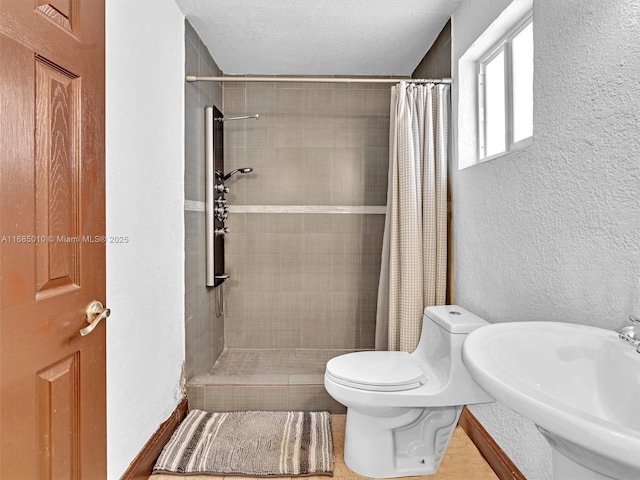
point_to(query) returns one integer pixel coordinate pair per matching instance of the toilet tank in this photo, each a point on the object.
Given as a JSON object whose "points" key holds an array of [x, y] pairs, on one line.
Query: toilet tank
{"points": [[444, 328]]}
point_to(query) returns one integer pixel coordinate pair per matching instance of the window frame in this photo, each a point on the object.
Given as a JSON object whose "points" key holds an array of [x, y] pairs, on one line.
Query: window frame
{"points": [[504, 44]]}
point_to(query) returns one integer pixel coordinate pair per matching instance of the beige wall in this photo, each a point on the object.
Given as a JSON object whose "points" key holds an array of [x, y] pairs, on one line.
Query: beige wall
{"points": [[437, 62], [305, 280], [204, 331]]}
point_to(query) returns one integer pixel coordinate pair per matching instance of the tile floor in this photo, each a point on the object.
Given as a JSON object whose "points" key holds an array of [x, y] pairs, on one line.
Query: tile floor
{"points": [[265, 379], [243, 362], [462, 461]]}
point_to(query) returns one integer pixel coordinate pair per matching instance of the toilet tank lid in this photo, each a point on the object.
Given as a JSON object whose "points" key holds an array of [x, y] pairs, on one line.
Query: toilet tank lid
{"points": [[454, 319]]}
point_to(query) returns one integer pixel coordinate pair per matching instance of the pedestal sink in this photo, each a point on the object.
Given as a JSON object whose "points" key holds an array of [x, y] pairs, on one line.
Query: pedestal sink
{"points": [[580, 385]]}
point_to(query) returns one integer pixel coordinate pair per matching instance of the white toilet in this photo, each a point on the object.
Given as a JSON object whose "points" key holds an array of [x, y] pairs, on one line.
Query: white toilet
{"points": [[402, 408]]}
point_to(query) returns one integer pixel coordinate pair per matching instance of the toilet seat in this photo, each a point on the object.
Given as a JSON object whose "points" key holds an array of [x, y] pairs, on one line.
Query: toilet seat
{"points": [[377, 371]]}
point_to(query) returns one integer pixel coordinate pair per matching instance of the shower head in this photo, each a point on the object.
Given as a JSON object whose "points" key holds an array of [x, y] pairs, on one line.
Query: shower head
{"points": [[237, 170], [244, 117]]}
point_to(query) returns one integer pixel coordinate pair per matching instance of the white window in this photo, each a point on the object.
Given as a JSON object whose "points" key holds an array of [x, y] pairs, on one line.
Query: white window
{"points": [[505, 93]]}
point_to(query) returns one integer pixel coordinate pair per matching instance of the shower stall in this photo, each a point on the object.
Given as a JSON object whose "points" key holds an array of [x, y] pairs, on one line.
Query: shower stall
{"points": [[304, 239]]}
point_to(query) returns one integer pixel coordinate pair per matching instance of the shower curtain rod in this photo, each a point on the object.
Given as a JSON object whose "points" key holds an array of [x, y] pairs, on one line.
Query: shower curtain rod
{"points": [[193, 78]]}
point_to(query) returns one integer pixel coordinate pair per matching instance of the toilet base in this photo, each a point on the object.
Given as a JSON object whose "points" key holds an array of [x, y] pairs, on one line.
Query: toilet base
{"points": [[409, 444]]}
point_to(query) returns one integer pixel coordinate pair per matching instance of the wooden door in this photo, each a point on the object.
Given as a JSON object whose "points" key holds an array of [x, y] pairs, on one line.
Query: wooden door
{"points": [[52, 249]]}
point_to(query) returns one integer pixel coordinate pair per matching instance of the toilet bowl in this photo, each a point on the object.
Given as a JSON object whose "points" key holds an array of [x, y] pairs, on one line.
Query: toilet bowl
{"points": [[402, 408]]}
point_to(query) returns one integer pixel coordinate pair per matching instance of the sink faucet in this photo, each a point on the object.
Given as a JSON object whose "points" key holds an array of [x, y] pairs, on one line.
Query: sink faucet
{"points": [[631, 333]]}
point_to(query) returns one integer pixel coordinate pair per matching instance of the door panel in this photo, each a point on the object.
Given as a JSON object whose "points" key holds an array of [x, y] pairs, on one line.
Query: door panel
{"points": [[52, 251], [57, 93], [58, 418], [61, 12]]}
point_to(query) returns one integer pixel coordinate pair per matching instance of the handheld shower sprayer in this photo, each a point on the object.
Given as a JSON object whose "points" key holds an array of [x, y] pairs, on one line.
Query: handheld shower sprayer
{"points": [[224, 177]]}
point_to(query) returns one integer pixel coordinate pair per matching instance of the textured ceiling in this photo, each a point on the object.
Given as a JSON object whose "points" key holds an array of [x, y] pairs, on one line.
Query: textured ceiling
{"points": [[318, 37]]}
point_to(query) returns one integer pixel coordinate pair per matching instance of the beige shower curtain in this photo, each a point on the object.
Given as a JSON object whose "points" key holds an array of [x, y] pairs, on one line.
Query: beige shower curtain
{"points": [[414, 254]]}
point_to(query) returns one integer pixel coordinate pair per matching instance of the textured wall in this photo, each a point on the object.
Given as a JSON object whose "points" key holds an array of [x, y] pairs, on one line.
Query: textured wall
{"points": [[204, 331], [144, 168], [305, 280], [553, 232]]}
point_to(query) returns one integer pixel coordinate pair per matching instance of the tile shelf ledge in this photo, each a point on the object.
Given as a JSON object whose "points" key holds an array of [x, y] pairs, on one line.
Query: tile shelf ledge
{"points": [[197, 206]]}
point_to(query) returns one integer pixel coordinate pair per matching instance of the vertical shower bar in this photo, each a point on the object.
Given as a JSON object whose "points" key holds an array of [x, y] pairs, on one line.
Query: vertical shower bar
{"points": [[209, 194]]}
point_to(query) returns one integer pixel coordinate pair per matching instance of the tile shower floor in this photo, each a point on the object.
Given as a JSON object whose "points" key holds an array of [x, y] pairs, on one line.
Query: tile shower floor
{"points": [[462, 461], [281, 365], [261, 379]]}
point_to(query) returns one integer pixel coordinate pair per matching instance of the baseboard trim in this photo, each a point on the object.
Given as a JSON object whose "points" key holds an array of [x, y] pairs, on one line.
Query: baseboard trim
{"points": [[496, 458], [140, 468]]}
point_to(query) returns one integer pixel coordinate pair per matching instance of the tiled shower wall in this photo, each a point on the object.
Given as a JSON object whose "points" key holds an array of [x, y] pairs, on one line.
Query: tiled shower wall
{"points": [[204, 331], [305, 279], [437, 62]]}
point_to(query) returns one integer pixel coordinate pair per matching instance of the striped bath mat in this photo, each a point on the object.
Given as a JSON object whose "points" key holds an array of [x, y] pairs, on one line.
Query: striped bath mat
{"points": [[257, 444]]}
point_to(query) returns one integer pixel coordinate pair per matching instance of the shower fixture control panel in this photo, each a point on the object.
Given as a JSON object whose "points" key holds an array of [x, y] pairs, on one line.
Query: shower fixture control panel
{"points": [[216, 209], [215, 203]]}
